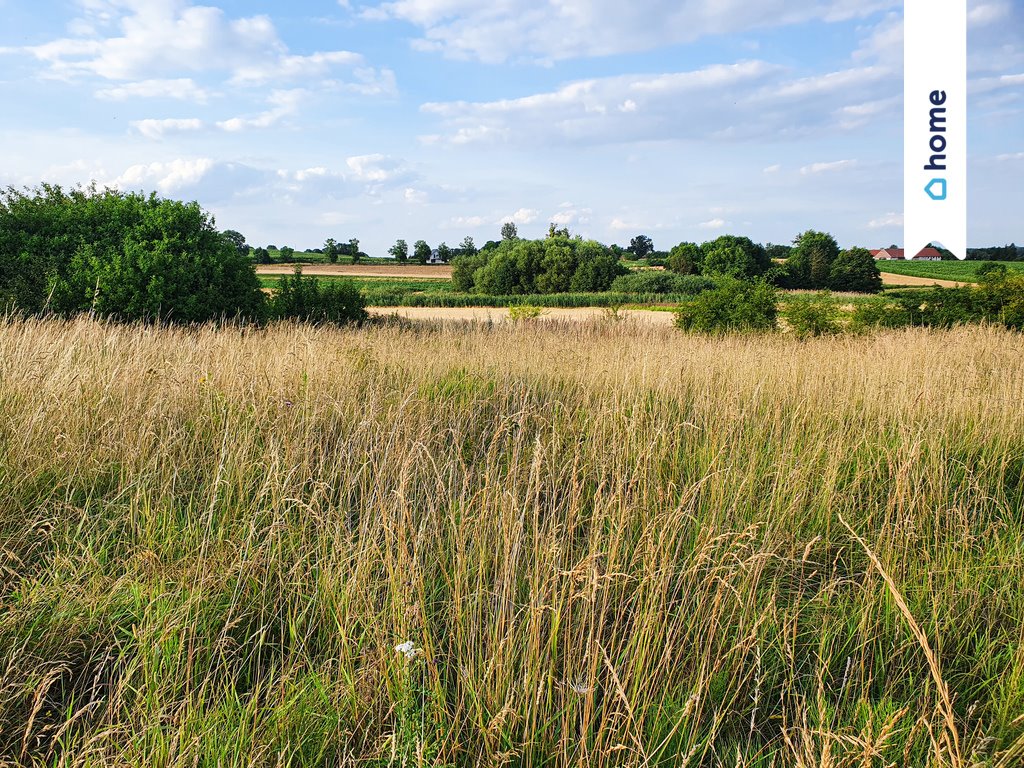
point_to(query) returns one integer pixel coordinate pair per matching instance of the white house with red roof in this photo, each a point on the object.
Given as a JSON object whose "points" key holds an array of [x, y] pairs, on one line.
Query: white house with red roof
{"points": [[891, 254]]}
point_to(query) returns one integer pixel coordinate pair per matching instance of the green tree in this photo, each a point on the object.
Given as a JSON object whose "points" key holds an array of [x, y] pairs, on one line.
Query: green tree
{"points": [[468, 247], [421, 251], [555, 231], [641, 246], [286, 253], [122, 256], [331, 249], [237, 240], [353, 250], [509, 231], [400, 250], [732, 256], [444, 252], [262, 256], [855, 270], [810, 262], [685, 259]]}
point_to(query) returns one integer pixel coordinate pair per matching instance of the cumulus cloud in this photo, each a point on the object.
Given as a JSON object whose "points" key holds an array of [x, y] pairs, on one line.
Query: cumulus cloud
{"points": [[713, 224], [550, 30], [155, 41], [522, 216], [889, 220], [282, 104], [748, 99], [158, 129], [832, 167], [182, 89]]}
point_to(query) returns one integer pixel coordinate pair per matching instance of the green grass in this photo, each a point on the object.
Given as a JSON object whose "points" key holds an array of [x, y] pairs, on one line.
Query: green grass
{"points": [[962, 271], [612, 546]]}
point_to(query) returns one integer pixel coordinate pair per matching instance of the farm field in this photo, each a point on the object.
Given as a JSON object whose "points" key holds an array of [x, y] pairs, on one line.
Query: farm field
{"points": [[501, 315], [956, 271], [601, 544], [417, 271]]}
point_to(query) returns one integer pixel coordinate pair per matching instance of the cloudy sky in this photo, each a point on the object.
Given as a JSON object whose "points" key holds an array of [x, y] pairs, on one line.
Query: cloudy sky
{"points": [[436, 119]]}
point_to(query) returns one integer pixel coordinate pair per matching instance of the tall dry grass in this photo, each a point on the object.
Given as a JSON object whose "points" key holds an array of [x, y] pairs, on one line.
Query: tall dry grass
{"points": [[608, 545]]}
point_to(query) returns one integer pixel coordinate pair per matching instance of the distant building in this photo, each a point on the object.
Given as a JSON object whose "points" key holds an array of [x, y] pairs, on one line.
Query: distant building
{"points": [[435, 258], [891, 254]]}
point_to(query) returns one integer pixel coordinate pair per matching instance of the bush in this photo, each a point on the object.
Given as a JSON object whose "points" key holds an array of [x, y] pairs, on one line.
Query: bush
{"points": [[519, 312], [733, 256], [736, 305], [557, 264], [855, 270], [309, 300], [814, 315], [122, 256], [879, 313], [662, 283]]}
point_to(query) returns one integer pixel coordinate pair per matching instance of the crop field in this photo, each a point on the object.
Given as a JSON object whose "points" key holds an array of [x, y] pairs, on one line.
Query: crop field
{"points": [[543, 544], [959, 271]]}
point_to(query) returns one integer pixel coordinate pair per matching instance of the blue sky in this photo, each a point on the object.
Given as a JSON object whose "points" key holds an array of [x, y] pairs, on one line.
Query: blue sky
{"points": [[436, 119]]}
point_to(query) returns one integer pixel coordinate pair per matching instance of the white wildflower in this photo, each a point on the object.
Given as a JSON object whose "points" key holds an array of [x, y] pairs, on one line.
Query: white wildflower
{"points": [[408, 649]]}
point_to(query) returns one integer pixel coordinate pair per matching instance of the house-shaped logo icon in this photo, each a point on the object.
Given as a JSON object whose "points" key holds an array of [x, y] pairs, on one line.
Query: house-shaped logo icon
{"points": [[936, 189]]}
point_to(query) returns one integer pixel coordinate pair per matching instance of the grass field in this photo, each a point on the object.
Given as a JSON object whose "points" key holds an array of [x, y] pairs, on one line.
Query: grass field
{"points": [[607, 545], [961, 271]]}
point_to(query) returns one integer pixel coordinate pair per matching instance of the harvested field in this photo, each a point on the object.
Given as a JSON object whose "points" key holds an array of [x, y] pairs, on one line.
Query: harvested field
{"points": [[891, 280], [418, 271], [501, 315]]}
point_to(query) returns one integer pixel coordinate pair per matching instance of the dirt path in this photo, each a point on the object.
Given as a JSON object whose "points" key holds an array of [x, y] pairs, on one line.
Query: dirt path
{"points": [[905, 280], [418, 271], [500, 315]]}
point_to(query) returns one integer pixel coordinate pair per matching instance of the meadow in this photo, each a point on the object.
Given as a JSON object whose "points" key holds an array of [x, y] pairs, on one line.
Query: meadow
{"points": [[596, 544]]}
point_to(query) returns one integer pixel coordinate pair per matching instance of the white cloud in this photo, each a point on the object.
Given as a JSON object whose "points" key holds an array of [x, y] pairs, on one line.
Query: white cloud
{"points": [[183, 89], [549, 30], [158, 129], [156, 41], [415, 196], [282, 105], [466, 222], [838, 165], [736, 102], [166, 177], [983, 14], [713, 224], [888, 221], [773, 168], [522, 216], [377, 168], [1011, 157]]}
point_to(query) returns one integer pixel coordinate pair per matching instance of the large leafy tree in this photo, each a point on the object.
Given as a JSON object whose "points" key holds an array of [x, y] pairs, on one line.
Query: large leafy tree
{"points": [[421, 251], [810, 262], [641, 247], [125, 256], [733, 256], [685, 258], [400, 250], [855, 270]]}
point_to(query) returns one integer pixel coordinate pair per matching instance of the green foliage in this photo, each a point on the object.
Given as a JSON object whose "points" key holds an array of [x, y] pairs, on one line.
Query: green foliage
{"points": [[732, 256], [122, 256], [810, 262], [331, 250], [879, 313], [286, 253], [467, 247], [641, 246], [262, 256], [662, 283], [520, 312], [421, 251], [554, 265], [400, 250], [237, 240], [961, 271], [509, 231], [855, 270], [305, 298], [685, 259], [736, 305], [444, 252], [814, 315]]}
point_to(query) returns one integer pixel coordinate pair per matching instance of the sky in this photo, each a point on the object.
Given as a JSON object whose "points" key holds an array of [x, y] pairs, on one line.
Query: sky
{"points": [[437, 119]]}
